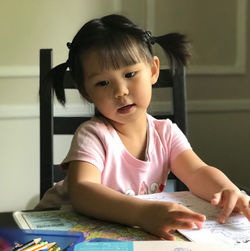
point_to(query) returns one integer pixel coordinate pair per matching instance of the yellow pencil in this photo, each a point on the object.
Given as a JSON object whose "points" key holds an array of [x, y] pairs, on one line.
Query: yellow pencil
{"points": [[45, 246], [54, 248]]}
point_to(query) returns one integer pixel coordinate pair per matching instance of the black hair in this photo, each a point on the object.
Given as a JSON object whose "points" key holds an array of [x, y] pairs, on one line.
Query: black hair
{"points": [[119, 42]]}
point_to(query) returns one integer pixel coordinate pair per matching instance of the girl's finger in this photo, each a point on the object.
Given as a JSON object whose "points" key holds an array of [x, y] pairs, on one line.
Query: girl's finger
{"points": [[216, 200], [184, 225], [167, 236], [199, 224], [244, 208], [229, 202], [189, 216], [178, 224]]}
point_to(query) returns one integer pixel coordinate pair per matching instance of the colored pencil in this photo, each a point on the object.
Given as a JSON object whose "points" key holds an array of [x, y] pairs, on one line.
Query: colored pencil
{"points": [[45, 246], [35, 246], [16, 245], [28, 244], [55, 248]]}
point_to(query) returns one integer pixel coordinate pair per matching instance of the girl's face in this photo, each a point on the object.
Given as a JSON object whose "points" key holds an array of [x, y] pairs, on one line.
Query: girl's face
{"points": [[121, 95]]}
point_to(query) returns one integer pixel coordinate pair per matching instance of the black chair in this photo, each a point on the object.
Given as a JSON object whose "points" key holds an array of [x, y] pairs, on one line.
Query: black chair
{"points": [[51, 125]]}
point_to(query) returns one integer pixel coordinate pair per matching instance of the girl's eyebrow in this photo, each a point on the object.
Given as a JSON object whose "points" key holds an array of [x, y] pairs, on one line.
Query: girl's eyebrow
{"points": [[94, 74]]}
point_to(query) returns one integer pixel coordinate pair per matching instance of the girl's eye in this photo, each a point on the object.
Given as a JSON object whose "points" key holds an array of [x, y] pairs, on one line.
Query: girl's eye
{"points": [[130, 74], [103, 83]]}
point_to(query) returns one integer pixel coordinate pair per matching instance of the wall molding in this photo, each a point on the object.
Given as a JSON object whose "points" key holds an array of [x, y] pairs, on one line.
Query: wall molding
{"points": [[194, 106], [209, 106], [239, 66], [19, 71], [19, 111]]}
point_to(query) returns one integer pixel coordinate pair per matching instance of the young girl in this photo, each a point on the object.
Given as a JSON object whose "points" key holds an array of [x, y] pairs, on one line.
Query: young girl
{"points": [[124, 151]]}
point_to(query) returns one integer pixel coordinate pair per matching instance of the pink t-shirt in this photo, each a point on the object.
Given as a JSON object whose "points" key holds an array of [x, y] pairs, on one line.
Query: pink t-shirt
{"points": [[98, 143]]}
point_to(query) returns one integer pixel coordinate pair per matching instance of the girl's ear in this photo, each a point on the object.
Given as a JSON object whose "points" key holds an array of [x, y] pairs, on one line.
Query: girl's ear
{"points": [[155, 69]]}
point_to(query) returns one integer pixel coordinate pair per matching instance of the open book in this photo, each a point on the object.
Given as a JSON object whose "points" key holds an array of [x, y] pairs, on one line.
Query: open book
{"points": [[235, 232]]}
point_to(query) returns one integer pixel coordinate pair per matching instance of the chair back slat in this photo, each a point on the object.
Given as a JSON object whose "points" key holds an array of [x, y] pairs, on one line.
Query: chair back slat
{"points": [[68, 125], [68, 81]]}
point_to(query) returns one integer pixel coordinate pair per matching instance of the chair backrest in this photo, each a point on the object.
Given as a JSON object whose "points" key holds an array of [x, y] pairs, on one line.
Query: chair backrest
{"points": [[51, 125]]}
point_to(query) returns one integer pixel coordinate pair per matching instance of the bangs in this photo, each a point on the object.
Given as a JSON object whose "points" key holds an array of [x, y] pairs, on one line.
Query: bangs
{"points": [[120, 51]]}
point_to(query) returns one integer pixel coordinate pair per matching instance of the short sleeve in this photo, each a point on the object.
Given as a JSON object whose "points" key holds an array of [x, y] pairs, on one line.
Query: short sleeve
{"points": [[86, 146], [178, 142]]}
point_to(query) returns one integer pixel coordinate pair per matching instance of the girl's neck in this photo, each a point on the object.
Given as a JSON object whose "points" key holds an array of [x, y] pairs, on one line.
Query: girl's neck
{"points": [[134, 136], [135, 129]]}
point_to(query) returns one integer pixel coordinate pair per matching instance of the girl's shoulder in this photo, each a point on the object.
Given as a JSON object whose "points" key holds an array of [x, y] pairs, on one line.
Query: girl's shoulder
{"points": [[96, 125], [164, 128], [159, 124]]}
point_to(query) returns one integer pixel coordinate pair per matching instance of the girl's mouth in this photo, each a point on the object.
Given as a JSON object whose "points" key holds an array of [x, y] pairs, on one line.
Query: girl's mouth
{"points": [[126, 108]]}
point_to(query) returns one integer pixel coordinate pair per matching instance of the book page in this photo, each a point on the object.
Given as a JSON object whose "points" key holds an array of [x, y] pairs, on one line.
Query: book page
{"points": [[49, 220], [236, 231]]}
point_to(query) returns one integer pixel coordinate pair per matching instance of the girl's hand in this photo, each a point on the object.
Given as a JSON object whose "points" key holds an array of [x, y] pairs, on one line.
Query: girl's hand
{"points": [[231, 200], [159, 218]]}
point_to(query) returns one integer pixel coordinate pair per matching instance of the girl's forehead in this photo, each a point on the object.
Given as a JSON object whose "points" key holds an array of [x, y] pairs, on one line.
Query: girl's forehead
{"points": [[112, 58], [91, 62], [90, 56]]}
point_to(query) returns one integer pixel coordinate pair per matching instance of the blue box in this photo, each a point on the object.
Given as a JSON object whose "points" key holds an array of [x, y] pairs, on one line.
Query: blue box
{"points": [[62, 238]]}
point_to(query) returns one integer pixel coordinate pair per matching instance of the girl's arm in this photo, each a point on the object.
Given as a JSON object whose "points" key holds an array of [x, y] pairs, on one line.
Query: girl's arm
{"points": [[90, 197], [210, 184]]}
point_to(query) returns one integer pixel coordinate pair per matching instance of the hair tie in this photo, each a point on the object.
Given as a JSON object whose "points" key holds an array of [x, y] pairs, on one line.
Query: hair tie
{"points": [[149, 37], [69, 45], [67, 64]]}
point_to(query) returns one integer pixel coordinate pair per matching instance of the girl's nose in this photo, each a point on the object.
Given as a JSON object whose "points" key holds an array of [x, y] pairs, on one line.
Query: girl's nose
{"points": [[121, 90]]}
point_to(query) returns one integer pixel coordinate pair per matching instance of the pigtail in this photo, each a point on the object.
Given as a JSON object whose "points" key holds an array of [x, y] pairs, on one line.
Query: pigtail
{"points": [[54, 79], [177, 48]]}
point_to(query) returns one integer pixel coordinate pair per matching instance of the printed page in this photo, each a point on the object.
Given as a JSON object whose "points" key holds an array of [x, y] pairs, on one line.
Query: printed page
{"points": [[49, 220], [21, 222], [236, 231]]}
